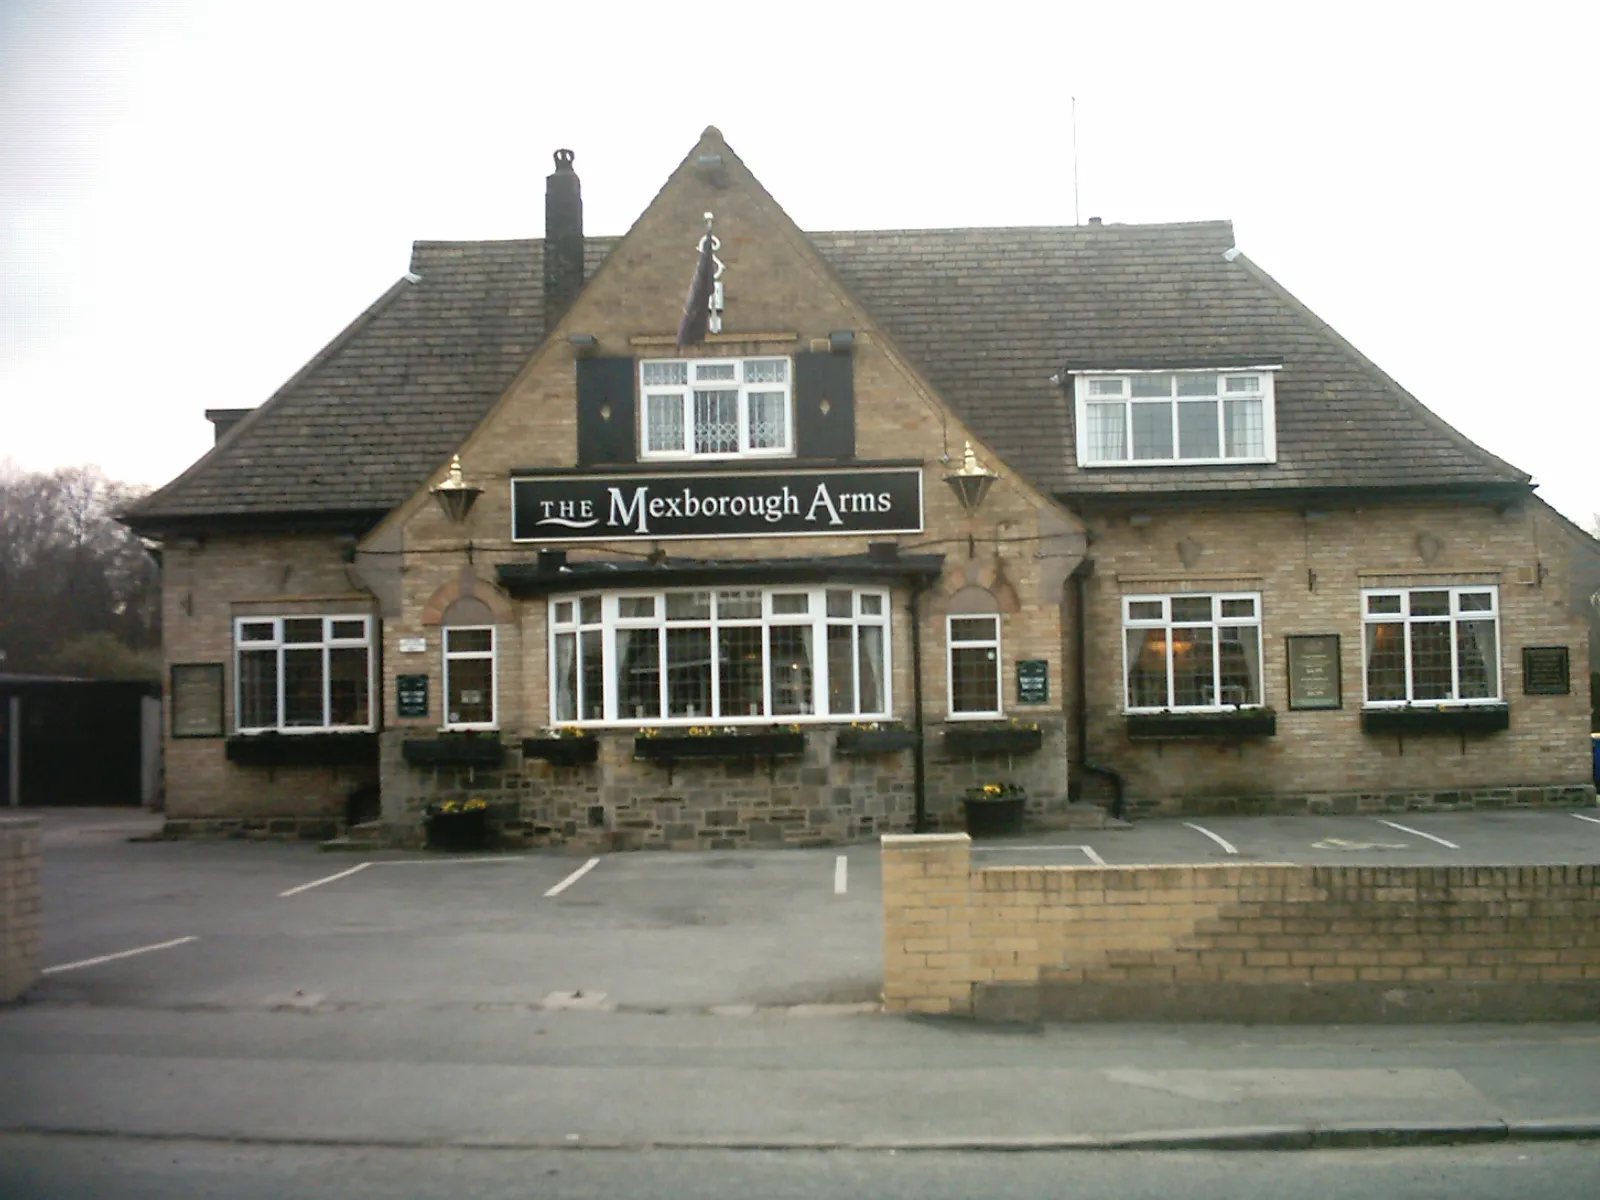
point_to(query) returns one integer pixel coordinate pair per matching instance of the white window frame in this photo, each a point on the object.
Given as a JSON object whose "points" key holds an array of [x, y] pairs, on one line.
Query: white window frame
{"points": [[1082, 386], [952, 644], [1453, 619], [449, 656], [1216, 624], [327, 644], [816, 618], [685, 395]]}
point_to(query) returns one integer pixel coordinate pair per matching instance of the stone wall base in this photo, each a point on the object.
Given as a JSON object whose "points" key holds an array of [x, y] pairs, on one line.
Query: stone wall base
{"points": [[1556, 795], [304, 829], [1288, 1003]]}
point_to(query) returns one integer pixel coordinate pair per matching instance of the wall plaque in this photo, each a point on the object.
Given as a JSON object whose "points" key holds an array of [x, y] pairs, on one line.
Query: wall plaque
{"points": [[1314, 678], [410, 695], [413, 645], [570, 508], [1546, 671], [1033, 681], [196, 699]]}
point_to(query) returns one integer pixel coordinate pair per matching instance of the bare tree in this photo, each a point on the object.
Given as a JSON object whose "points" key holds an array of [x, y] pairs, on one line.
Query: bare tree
{"points": [[68, 570]]}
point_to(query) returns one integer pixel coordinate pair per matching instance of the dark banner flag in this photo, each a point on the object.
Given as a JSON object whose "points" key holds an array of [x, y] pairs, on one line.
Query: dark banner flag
{"points": [[697, 308]]}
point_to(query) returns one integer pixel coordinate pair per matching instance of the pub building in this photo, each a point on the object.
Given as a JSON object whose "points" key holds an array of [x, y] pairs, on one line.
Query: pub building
{"points": [[870, 520]]}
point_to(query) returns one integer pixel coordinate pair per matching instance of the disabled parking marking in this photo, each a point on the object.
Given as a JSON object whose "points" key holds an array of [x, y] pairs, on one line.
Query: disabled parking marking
{"points": [[315, 883], [105, 958], [1418, 832], [1591, 820], [574, 877], [1227, 846]]}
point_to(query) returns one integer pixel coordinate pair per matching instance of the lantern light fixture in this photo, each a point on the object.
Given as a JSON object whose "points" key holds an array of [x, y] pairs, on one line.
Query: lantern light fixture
{"points": [[454, 495], [971, 483]]}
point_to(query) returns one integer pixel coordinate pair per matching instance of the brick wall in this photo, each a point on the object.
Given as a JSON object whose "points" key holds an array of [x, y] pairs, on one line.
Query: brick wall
{"points": [[19, 905], [1265, 942], [1310, 572]]}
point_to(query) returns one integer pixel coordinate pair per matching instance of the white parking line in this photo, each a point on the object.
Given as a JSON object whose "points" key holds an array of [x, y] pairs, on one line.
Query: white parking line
{"points": [[1591, 820], [306, 887], [1418, 832], [105, 958], [841, 876], [438, 862], [1227, 846], [574, 877]]}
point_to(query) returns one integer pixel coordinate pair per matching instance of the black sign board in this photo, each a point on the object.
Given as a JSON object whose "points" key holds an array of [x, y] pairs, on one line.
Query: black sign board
{"points": [[1546, 671], [1314, 679], [1033, 681], [410, 695], [568, 508]]}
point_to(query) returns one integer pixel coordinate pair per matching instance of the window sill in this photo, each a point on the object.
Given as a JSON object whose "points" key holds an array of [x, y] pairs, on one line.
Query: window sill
{"points": [[672, 747], [303, 749], [1234, 725], [1141, 463], [457, 750], [1461, 719], [976, 740]]}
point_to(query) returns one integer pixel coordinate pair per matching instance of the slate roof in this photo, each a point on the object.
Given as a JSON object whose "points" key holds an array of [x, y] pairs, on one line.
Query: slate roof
{"points": [[988, 315]]}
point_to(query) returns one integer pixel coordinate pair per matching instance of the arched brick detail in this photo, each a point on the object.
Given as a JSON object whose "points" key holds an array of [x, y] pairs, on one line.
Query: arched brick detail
{"points": [[468, 585]]}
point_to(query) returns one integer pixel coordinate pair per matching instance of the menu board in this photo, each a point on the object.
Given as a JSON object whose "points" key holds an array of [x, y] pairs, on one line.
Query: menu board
{"points": [[1033, 681], [1546, 671], [1314, 681], [411, 695], [196, 700]]}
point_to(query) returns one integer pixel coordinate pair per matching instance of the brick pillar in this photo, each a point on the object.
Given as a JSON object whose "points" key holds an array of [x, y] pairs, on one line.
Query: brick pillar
{"points": [[19, 905], [927, 923]]}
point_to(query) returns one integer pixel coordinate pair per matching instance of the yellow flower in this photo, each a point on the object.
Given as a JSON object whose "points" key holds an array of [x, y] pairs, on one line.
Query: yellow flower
{"points": [[474, 805]]}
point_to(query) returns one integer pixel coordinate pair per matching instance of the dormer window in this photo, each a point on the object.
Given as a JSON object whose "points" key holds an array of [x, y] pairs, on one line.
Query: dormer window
{"points": [[1180, 418], [716, 408]]}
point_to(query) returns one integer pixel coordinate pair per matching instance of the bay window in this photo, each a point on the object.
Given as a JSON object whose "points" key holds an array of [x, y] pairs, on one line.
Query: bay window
{"points": [[1431, 645], [715, 408], [1140, 418], [303, 674], [719, 654], [1192, 652]]}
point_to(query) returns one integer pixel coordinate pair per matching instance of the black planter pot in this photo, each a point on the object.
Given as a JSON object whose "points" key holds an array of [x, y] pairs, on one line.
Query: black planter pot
{"points": [[457, 831], [303, 749], [1479, 718], [999, 817], [992, 740], [874, 741], [451, 752], [564, 751], [720, 745], [1219, 727]]}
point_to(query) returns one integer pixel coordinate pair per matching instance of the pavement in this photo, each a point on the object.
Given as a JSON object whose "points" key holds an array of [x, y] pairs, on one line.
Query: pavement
{"points": [[237, 993]]}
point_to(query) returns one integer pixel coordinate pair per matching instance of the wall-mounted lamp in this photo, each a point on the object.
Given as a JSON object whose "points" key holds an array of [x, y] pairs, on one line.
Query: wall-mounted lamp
{"points": [[842, 341], [455, 497], [972, 482], [583, 343]]}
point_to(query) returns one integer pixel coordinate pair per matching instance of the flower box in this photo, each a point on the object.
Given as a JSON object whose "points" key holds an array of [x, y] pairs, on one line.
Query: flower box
{"points": [[1219, 726], [991, 739], [456, 830], [1476, 718], [875, 741], [303, 749], [452, 752], [998, 815], [672, 747], [562, 751]]}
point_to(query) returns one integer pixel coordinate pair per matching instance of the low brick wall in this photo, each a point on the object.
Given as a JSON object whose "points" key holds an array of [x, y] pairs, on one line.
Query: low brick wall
{"points": [[19, 905], [1455, 799], [1267, 942]]}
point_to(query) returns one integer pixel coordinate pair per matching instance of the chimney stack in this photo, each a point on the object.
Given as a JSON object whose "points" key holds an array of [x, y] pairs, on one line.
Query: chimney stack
{"points": [[563, 239]]}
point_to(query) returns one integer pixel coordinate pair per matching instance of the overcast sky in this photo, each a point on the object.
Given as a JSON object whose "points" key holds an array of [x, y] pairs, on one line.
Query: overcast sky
{"points": [[195, 196]]}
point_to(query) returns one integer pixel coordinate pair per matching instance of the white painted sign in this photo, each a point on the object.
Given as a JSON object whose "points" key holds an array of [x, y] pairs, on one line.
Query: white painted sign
{"points": [[413, 645]]}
